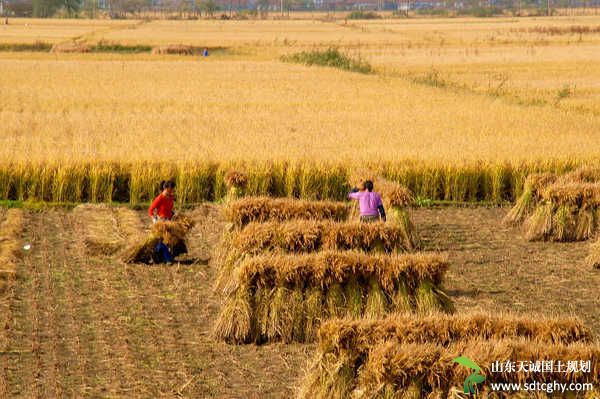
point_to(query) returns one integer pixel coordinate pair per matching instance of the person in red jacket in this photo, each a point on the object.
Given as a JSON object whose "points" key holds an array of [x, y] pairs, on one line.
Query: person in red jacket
{"points": [[161, 208]]}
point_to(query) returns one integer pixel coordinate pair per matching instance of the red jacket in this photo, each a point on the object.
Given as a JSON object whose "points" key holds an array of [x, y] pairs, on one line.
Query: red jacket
{"points": [[163, 206]]}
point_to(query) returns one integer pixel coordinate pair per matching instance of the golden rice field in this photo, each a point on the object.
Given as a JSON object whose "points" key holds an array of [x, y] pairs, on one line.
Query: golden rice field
{"points": [[454, 96]]}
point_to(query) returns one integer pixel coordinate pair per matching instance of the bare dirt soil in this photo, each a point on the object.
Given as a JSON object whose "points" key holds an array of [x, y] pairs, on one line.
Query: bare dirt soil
{"points": [[87, 325]]}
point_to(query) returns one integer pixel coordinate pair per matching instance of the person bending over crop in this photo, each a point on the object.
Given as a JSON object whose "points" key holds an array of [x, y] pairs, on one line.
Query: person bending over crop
{"points": [[161, 210], [371, 206]]}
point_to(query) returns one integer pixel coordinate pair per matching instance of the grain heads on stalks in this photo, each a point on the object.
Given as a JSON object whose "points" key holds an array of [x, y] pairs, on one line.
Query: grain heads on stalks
{"points": [[531, 196], [263, 209]]}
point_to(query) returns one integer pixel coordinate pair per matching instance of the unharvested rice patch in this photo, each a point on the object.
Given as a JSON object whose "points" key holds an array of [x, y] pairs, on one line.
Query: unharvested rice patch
{"points": [[98, 228]]}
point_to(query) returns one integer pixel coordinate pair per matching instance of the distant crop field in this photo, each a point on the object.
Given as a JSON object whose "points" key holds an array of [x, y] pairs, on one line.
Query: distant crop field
{"points": [[498, 93]]}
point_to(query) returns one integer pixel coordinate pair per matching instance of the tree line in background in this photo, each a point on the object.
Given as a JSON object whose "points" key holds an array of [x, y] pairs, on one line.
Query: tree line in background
{"points": [[360, 9]]}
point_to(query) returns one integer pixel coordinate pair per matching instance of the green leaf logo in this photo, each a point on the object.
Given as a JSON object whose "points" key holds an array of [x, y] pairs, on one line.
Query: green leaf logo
{"points": [[472, 380]]}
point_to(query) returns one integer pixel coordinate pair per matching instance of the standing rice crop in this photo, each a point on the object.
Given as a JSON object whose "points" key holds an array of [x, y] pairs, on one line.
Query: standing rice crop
{"points": [[329, 284]]}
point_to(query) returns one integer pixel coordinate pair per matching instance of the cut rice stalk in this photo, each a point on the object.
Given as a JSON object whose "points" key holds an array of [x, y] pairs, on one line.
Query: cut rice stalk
{"points": [[401, 299], [426, 298], [262, 305], [281, 316], [234, 322], [539, 225], [563, 224], [586, 224], [377, 303], [334, 301], [313, 311], [354, 298]]}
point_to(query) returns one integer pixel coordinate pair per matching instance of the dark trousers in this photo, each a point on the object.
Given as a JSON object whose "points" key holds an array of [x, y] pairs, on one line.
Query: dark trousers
{"points": [[163, 253]]}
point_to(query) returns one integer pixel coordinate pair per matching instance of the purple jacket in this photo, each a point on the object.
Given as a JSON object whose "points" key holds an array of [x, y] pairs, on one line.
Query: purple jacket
{"points": [[368, 201]]}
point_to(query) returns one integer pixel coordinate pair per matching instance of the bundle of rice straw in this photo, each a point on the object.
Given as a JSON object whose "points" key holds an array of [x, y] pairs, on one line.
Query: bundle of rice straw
{"points": [[567, 212], [236, 182], [307, 236], [536, 183], [355, 357], [303, 236], [531, 196], [284, 298], [393, 368], [264, 209], [176, 49], [171, 233]]}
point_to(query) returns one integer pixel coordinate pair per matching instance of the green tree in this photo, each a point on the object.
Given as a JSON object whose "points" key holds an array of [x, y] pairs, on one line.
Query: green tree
{"points": [[209, 7]]}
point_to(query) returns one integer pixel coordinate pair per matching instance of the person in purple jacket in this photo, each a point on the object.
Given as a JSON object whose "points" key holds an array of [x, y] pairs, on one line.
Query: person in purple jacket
{"points": [[371, 206]]}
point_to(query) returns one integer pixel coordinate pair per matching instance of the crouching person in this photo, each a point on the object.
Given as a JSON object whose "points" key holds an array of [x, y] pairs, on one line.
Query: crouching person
{"points": [[371, 206], [161, 210]]}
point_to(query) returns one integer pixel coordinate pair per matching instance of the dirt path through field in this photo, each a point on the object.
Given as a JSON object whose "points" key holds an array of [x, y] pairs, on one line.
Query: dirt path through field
{"points": [[91, 326]]}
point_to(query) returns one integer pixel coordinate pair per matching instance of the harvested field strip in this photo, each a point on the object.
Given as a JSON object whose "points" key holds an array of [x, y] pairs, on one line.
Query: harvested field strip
{"points": [[11, 228], [129, 224], [593, 259], [204, 181], [265, 209], [98, 226], [350, 351], [82, 325], [392, 367], [284, 298]]}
